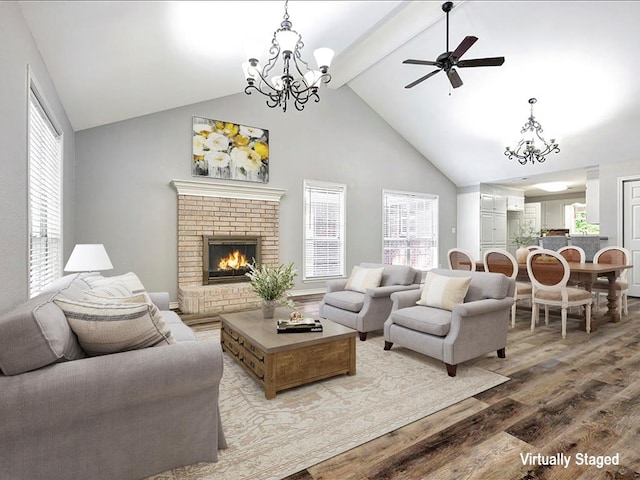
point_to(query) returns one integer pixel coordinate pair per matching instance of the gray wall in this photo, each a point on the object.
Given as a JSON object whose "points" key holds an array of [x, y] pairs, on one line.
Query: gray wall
{"points": [[124, 199], [17, 50]]}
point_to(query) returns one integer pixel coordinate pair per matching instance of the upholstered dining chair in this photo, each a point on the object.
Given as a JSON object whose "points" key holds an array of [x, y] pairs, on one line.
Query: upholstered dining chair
{"points": [[500, 261], [460, 260], [549, 274], [573, 253], [613, 255]]}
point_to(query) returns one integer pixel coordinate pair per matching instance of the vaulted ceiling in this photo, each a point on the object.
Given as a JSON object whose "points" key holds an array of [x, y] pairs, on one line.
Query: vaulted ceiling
{"points": [[116, 60]]}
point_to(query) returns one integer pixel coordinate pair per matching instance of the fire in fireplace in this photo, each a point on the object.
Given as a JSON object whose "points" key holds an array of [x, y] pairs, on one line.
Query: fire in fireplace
{"points": [[226, 259]]}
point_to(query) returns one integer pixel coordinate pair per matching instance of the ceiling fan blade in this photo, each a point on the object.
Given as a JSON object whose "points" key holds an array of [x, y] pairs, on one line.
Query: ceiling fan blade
{"points": [[454, 78], [422, 79], [465, 45], [420, 62], [481, 62]]}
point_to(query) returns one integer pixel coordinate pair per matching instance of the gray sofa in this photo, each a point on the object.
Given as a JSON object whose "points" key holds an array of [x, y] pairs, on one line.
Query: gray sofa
{"points": [[473, 328], [122, 416], [367, 312]]}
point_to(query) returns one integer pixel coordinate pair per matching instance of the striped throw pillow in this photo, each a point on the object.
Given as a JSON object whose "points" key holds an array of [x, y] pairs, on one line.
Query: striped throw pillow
{"points": [[109, 328], [441, 291]]}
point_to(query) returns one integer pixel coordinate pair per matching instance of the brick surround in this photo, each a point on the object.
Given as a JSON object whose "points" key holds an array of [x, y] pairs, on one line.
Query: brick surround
{"points": [[210, 209]]}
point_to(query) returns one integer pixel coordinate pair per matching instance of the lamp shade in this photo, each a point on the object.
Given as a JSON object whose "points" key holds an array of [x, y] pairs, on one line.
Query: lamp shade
{"points": [[88, 258]]}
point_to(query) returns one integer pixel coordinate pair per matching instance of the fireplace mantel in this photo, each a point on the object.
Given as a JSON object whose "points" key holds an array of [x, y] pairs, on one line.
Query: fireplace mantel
{"points": [[226, 190]]}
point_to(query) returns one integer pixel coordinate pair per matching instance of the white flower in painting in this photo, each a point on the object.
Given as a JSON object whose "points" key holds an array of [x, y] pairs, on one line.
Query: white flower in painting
{"points": [[198, 145], [217, 159], [202, 129], [244, 157], [251, 132], [217, 142]]}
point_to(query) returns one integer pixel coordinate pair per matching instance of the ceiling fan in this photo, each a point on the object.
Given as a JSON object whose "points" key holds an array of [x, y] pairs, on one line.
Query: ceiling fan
{"points": [[448, 60]]}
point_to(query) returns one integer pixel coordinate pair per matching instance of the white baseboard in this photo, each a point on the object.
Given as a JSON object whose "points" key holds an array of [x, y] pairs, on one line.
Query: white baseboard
{"points": [[309, 291]]}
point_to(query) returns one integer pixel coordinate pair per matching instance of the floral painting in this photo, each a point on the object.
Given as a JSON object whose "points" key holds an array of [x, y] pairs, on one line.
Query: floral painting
{"points": [[229, 151]]}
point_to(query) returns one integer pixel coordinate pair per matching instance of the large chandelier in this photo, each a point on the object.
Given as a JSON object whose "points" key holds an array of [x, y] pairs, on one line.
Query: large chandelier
{"points": [[297, 82], [533, 147]]}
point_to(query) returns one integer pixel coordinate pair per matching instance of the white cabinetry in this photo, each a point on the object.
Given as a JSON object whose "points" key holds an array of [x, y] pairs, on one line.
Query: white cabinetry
{"points": [[515, 203], [482, 221], [593, 200]]}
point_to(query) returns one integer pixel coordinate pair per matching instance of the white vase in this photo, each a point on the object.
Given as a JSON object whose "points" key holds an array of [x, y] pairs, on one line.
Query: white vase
{"points": [[521, 254]]}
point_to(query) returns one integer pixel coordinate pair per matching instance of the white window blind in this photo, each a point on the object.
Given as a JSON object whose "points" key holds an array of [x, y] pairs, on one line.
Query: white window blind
{"points": [[45, 204], [410, 229], [324, 230]]}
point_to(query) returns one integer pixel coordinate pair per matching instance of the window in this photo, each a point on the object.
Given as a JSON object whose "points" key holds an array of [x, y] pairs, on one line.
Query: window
{"points": [[324, 230], [45, 196], [575, 219], [410, 229]]}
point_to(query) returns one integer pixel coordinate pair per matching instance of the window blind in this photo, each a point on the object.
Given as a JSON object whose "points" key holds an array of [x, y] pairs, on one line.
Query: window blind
{"points": [[410, 225], [45, 193], [324, 230]]}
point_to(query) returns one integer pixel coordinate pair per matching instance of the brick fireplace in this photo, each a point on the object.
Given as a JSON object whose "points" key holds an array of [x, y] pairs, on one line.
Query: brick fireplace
{"points": [[222, 211]]}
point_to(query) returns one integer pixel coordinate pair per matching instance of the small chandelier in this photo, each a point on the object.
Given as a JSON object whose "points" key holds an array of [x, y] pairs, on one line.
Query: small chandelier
{"points": [[533, 147], [297, 82]]}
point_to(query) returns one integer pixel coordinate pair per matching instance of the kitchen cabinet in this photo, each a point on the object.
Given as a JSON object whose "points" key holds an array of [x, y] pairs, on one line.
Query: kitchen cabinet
{"points": [[482, 220]]}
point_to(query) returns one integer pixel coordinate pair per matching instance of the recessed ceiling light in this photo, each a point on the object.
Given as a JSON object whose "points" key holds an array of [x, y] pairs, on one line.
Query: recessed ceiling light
{"points": [[552, 186]]}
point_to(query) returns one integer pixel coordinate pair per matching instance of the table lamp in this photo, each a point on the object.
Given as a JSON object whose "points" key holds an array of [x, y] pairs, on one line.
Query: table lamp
{"points": [[88, 258]]}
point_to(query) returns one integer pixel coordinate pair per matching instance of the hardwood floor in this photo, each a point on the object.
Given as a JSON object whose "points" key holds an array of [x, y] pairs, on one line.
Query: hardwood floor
{"points": [[570, 397]]}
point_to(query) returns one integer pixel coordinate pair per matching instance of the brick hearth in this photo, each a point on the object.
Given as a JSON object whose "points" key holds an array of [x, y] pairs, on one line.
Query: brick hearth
{"points": [[221, 209]]}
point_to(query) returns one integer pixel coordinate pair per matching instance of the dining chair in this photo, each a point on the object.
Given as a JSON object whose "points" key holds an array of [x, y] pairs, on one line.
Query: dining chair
{"points": [[549, 274], [460, 260], [612, 255], [501, 261], [573, 253]]}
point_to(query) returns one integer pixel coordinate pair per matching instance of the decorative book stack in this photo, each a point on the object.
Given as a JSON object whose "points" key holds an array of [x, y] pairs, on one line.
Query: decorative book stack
{"points": [[303, 325]]}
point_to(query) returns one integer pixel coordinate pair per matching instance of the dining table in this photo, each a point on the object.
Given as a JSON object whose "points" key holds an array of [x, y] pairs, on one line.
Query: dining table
{"points": [[586, 274]]}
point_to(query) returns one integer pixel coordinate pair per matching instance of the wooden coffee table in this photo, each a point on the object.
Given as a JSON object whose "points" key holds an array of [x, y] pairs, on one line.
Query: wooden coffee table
{"points": [[286, 360]]}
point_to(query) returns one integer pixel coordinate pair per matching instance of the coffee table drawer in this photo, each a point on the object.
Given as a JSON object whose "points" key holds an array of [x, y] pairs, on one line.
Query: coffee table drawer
{"points": [[300, 366]]}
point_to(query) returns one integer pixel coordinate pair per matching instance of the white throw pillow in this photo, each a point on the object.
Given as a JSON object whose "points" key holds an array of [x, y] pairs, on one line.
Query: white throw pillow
{"points": [[441, 291], [362, 278], [130, 280], [109, 328], [113, 290]]}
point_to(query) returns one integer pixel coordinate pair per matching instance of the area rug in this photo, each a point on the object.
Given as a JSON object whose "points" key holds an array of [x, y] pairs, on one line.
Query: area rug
{"points": [[271, 439]]}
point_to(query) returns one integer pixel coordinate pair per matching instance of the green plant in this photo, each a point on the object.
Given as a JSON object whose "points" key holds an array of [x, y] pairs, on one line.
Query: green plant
{"points": [[269, 282], [525, 236]]}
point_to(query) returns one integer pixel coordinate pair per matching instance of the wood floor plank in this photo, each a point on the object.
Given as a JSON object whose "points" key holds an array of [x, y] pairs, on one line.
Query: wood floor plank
{"points": [[386, 447], [424, 457], [487, 460]]}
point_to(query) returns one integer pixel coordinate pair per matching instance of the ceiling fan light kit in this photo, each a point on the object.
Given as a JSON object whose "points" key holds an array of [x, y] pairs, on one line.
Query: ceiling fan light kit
{"points": [[533, 147], [297, 82], [448, 60]]}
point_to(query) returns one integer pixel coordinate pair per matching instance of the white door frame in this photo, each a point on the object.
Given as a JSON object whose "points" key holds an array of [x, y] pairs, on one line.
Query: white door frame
{"points": [[620, 219]]}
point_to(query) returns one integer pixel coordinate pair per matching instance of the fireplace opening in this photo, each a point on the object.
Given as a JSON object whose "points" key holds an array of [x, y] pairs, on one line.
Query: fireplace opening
{"points": [[227, 259]]}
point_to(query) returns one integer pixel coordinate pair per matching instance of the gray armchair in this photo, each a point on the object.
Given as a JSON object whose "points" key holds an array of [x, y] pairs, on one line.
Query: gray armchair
{"points": [[473, 328], [367, 312]]}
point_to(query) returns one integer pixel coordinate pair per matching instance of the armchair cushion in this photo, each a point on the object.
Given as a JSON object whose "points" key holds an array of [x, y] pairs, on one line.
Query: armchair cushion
{"points": [[346, 300], [434, 321], [362, 278], [443, 292]]}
